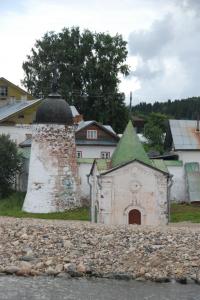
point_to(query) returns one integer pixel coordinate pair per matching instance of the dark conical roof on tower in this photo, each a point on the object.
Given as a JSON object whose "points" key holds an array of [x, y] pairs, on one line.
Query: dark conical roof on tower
{"points": [[54, 110]]}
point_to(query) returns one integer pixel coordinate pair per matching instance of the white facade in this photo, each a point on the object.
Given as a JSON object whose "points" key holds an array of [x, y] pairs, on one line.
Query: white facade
{"points": [[189, 156], [178, 188], [91, 151], [53, 183], [17, 133], [83, 171], [134, 186]]}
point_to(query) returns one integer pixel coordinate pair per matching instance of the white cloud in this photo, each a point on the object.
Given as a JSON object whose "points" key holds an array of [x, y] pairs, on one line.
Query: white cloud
{"points": [[22, 22], [163, 38], [169, 59]]}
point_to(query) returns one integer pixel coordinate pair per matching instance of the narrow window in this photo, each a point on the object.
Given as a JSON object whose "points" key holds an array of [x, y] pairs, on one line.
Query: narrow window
{"points": [[79, 154], [3, 91]]}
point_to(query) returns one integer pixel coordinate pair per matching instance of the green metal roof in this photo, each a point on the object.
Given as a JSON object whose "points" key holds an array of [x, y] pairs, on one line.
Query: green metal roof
{"points": [[85, 160], [159, 164], [129, 148], [102, 164], [173, 163], [25, 152]]}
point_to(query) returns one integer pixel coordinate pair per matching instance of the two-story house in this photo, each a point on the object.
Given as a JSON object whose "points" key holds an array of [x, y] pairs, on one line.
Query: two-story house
{"points": [[94, 140]]}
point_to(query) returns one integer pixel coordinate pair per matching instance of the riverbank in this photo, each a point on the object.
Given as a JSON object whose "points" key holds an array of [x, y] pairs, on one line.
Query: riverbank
{"points": [[31, 247]]}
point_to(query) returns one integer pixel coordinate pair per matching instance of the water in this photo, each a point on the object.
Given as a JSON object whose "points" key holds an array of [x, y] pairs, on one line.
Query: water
{"points": [[45, 288]]}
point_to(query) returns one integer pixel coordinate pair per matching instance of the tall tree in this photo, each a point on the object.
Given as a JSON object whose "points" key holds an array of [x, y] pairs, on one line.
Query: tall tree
{"points": [[154, 131], [88, 66], [10, 164]]}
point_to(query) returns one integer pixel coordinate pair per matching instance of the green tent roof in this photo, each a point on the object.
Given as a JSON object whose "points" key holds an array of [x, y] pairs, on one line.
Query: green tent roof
{"points": [[160, 165], [129, 148]]}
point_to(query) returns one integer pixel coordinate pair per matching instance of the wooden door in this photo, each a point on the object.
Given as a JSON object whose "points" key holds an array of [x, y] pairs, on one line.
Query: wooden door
{"points": [[134, 217]]}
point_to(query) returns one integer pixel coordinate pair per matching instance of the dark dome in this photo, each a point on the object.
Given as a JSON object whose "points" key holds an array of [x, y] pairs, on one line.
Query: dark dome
{"points": [[54, 110]]}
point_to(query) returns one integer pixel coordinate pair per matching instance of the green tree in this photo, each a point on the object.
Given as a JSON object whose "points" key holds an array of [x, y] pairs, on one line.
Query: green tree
{"points": [[177, 109], [88, 66], [154, 131], [10, 164]]}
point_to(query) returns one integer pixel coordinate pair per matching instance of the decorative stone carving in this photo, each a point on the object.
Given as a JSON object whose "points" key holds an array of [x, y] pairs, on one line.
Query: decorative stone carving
{"points": [[135, 185]]}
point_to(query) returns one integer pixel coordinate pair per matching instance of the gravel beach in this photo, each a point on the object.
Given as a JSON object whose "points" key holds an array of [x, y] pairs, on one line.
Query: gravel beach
{"points": [[32, 247]]}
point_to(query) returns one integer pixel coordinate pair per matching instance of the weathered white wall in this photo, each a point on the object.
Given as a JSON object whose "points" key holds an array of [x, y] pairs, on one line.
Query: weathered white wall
{"points": [[17, 133], [95, 151], [53, 183], [95, 194], [83, 171], [178, 188], [22, 178], [189, 156], [133, 186]]}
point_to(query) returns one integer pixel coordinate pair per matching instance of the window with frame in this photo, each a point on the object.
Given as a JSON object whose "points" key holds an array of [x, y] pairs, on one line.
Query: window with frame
{"points": [[79, 154], [28, 135], [105, 155], [20, 116], [3, 91], [92, 134]]}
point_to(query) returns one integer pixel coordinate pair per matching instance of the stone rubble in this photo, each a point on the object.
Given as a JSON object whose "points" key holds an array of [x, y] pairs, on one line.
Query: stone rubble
{"points": [[31, 247]]}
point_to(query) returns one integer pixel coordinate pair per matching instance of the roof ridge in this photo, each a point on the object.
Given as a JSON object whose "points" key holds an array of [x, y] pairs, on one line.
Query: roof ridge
{"points": [[129, 148]]}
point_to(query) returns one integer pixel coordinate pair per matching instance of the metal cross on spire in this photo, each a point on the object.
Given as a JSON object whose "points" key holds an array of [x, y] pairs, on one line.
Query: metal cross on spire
{"points": [[54, 85]]}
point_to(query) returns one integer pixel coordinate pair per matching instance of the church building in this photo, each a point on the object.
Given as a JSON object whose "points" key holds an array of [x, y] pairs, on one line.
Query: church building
{"points": [[130, 188]]}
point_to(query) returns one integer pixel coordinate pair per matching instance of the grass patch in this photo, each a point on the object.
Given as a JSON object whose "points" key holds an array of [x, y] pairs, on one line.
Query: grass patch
{"points": [[12, 207], [185, 212]]}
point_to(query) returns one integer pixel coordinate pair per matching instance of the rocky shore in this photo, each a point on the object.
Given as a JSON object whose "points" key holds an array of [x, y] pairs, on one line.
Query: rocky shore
{"points": [[31, 247]]}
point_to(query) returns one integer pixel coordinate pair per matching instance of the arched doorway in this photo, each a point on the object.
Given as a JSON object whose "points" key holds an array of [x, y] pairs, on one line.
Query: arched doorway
{"points": [[134, 217]]}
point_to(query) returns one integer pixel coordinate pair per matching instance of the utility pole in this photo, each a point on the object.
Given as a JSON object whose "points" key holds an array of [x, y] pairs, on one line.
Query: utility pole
{"points": [[130, 107], [197, 129]]}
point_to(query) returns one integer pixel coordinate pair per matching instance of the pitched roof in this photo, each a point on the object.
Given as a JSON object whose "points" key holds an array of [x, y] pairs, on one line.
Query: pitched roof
{"points": [[74, 111], [129, 148], [26, 143], [14, 85], [160, 167], [16, 107], [12, 108], [184, 134], [25, 152], [84, 124]]}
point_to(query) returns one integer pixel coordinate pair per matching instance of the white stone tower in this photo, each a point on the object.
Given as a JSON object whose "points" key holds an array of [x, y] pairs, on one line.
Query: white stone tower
{"points": [[53, 183]]}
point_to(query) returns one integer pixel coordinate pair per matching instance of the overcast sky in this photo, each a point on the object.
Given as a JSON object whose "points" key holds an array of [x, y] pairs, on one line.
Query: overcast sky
{"points": [[163, 39]]}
